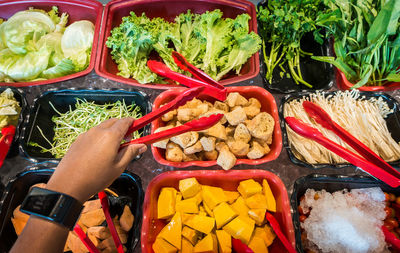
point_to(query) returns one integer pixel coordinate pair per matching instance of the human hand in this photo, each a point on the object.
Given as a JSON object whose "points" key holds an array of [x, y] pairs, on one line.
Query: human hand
{"points": [[94, 161]]}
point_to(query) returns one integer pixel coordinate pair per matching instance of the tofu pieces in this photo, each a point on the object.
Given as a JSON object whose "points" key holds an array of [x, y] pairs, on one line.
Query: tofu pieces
{"points": [[173, 152], [262, 126], [208, 143], [242, 133], [226, 159], [236, 116]]}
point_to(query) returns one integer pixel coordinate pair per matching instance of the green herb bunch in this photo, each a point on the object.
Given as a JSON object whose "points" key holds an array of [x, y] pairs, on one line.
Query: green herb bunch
{"points": [[283, 25], [69, 125], [366, 40]]}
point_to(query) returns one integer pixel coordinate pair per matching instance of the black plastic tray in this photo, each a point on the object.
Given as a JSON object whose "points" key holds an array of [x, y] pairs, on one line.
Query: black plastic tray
{"points": [[330, 184], [20, 97], [392, 103], [128, 185], [319, 74], [42, 112]]}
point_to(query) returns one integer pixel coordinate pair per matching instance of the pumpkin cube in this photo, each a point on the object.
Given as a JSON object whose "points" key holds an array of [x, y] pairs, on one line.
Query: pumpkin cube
{"points": [[256, 201], [248, 188], [166, 203], [231, 196], [161, 246], [200, 223], [224, 241], [223, 214], [266, 233], [187, 247], [240, 207], [257, 245], [189, 187], [187, 206], [172, 232], [271, 203], [190, 234], [258, 215], [207, 245], [212, 196], [238, 228]]}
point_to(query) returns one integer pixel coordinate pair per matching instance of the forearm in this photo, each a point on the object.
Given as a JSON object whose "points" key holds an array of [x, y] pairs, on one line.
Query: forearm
{"points": [[41, 236]]}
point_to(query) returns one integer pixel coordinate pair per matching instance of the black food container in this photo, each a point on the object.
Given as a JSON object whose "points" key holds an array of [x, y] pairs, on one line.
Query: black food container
{"points": [[319, 74], [128, 186], [42, 113], [330, 184], [20, 97], [390, 121]]}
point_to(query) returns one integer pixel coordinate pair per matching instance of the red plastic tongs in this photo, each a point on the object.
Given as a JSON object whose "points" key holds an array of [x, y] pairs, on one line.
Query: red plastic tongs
{"points": [[212, 87], [369, 162], [7, 133], [194, 125]]}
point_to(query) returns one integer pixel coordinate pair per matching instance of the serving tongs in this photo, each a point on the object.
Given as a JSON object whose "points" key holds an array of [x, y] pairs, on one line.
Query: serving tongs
{"points": [[7, 133], [369, 162], [86, 240], [212, 88], [194, 125]]}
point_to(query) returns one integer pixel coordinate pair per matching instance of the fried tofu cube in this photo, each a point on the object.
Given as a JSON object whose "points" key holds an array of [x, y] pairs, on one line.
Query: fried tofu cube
{"points": [[237, 147], [162, 144], [169, 115], [93, 218], [257, 245], [256, 201], [218, 131], [185, 114], [75, 244], [187, 206], [271, 203], [239, 206], [224, 241], [162, 246], [187, 247], [212, 196], [221, 106], [248, 188], [211, 155], [200, 110], [99, 232], [236, 116], [226, 159], [231, 196], [254, 102], [166, 203], [126, 220], [242, 133], [91, 205], [172, 232], [197, 147], [256, 151], [173, 153], [220, 145], [201, 223], [194, 103], [186, 139], [223, 214], [208, 143], [266, 233], [251, 111], [238, 228], [215, 111], [208, 244], [189, 187], [258, 215], [235, 99], [190, 234], [264, 144], [190, 157], [262, 126]]}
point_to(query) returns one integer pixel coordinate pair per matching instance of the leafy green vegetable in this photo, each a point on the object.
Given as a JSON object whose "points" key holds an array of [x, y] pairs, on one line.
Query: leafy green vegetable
{"points": [[283, 25], [69, 125], [212, 43], [76, 43], [35, 45], [367, 40]]}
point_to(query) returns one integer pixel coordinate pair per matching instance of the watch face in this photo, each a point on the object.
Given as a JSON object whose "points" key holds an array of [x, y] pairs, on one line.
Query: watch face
{"points": [[40, 201]]}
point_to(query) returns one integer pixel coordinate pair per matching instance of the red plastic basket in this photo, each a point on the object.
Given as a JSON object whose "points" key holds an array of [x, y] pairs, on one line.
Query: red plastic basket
{"points": [[169, 9], [344, 84], [228, 180], [267, 105], [77, 9]]}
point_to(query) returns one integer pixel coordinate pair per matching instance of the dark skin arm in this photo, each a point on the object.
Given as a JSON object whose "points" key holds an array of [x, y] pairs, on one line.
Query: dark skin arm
{"points": [[92, 163]]}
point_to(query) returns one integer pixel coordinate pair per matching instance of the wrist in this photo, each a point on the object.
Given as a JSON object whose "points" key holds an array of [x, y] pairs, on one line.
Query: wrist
{"points": [[68, 188]]}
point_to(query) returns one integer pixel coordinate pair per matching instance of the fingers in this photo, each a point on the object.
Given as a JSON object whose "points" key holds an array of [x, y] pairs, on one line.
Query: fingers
{"points": [[121, 126], [126, 155]]}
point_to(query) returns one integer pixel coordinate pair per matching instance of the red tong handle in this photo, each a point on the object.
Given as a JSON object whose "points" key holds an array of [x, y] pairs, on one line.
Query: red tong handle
{"points": [[161, 69], [106, 209], [391, 238], [8, 133], [194, 125], [312, 133], [180, 100], [239, 247], [85, 240], [277, 229], [323, 118]]}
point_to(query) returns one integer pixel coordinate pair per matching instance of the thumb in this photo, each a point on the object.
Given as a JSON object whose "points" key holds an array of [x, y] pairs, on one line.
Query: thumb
{"points": [[126, 155]]}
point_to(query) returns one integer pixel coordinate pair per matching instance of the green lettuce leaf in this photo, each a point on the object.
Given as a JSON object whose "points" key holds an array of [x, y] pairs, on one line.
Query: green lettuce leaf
{"points": [[63, 68]]}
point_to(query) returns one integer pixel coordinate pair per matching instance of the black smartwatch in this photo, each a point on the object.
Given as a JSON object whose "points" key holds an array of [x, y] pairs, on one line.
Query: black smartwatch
{"points": [[53, 206]]}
